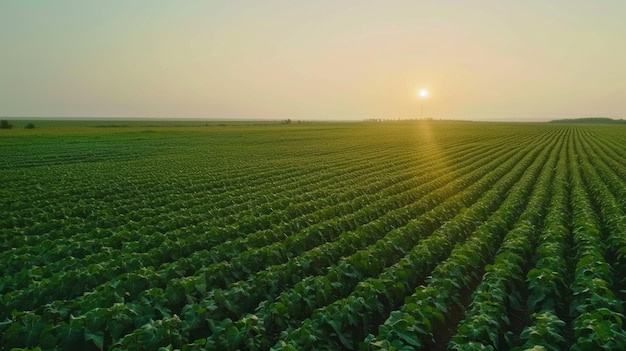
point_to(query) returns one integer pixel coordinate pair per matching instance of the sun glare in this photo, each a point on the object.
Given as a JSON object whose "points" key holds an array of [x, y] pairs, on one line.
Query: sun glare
{"points": [[423, 93]]}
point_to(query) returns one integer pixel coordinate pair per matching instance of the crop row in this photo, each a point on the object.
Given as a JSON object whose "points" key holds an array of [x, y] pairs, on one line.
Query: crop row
{"points": [[422, 319], [371, 237], [354, 269], [548, 279], [162, 246], [238, 296], [363, 272], [135, 283], [597, 312], [489, 316], [150, 294], [338, 282]]}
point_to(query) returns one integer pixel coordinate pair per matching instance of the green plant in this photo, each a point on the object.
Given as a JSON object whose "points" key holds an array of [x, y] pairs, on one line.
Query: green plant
{"points": [[4, 124]]}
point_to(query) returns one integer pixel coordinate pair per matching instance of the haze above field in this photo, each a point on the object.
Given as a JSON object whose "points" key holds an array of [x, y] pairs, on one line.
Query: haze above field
{"points": [[348, 60]]}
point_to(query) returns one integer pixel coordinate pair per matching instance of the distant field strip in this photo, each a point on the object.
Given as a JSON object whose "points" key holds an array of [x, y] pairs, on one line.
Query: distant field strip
{"points": [[349, 236]]}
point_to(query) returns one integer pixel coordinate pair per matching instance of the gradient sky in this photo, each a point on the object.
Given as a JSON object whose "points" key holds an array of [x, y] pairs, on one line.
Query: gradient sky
{"points": [[342, 60]]}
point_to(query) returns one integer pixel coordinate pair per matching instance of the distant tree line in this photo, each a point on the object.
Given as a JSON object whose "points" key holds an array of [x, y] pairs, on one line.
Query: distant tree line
{"points": [[590, 120], [4, 124]]}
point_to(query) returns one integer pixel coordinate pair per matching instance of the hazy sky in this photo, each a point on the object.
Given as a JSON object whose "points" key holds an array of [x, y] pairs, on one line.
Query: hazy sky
{"points": [[481, 60]]}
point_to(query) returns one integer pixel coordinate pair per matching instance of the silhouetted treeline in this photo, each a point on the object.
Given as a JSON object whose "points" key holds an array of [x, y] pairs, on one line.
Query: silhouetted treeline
{"points": [[590, 120]]}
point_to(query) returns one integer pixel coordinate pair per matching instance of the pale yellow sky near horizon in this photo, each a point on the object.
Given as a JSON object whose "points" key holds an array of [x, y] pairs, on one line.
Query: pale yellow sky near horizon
{"points": [[338, 60]]}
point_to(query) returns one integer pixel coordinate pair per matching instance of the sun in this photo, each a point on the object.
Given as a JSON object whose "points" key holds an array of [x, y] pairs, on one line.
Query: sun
{"points": [[422, 93]]}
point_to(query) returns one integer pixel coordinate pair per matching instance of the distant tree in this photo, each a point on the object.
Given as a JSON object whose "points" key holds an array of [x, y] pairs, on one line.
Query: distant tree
{"points": [[590, 120], [30, 126], [4, 124]]}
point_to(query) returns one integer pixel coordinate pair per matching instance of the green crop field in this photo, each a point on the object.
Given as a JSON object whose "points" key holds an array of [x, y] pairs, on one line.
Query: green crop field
{"points": [[312, 236]]}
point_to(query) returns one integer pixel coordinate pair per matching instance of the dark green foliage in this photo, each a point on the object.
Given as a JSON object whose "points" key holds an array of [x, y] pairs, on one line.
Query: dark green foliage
{"points": [[316, 236], [590, 120], [4, 124]]}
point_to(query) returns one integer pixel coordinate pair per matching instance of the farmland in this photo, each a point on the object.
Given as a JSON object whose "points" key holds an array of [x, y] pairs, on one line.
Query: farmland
{"points": [[316, 236]]}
